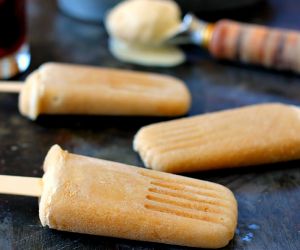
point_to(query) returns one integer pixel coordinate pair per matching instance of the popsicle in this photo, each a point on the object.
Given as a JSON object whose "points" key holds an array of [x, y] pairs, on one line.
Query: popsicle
{"points": [[93, 196], [57, 88], [251, 135]]}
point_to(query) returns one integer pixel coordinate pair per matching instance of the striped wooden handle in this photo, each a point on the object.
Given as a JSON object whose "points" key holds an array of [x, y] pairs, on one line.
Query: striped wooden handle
{"points": [[273, 48]]}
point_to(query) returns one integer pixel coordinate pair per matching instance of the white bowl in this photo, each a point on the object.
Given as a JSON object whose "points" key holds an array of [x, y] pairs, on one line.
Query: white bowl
{"points": [[88, 10]]}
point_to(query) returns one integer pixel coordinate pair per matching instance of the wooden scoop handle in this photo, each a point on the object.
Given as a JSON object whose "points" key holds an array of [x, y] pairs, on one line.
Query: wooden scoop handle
{"points": [[274, 48], [17, 185], [10, 87]]}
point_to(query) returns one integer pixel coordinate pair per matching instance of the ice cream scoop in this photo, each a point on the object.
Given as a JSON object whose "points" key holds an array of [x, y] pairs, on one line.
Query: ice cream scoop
{"points": [[137, 29], [93, 196], [157, 23], [247, 43], [57, 88]]}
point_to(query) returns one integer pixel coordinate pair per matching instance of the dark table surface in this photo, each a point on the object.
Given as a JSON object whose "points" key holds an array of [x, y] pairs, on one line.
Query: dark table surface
{"points": [[268, 196]]}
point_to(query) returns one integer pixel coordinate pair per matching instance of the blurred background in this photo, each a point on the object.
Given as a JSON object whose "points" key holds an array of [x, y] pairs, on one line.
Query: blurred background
{"points": [[74, 26]]}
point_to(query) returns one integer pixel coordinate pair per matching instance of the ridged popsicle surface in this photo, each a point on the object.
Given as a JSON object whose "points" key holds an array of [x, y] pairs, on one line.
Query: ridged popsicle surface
{"points": [[93, 196], [245, 136]]}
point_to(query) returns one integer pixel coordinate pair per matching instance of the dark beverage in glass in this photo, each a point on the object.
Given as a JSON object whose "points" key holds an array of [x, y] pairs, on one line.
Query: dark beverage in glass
{"points": [[14, 52]]}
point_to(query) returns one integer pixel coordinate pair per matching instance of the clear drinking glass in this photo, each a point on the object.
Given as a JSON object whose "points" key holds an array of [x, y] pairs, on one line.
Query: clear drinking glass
{"points": [[14, 51]]}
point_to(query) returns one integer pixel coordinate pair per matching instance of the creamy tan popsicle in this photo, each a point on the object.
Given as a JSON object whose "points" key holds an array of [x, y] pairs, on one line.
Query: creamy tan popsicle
{"points": [[245, 136], [57, 88], [93, 196]]}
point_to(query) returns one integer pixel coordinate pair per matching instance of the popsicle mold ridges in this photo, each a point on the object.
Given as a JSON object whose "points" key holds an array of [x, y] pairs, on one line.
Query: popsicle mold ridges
{"points": [[245, 136], [94, 196]]}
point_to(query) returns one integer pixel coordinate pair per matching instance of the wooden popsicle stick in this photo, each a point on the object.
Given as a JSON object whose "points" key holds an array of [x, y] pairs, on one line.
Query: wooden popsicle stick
{"points": [[10, 87], [18, 185]]}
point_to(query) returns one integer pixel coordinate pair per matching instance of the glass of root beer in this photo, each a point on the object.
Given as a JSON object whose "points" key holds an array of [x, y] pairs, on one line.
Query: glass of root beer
{"points": [[14, 50]]}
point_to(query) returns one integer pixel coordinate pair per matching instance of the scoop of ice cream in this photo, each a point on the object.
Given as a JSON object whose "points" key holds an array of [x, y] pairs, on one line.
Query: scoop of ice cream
{"points": [[160, 56], [143, 21]]}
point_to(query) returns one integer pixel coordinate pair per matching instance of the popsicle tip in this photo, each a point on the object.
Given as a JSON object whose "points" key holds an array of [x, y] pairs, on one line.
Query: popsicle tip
{"points": [[54, 154]]}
